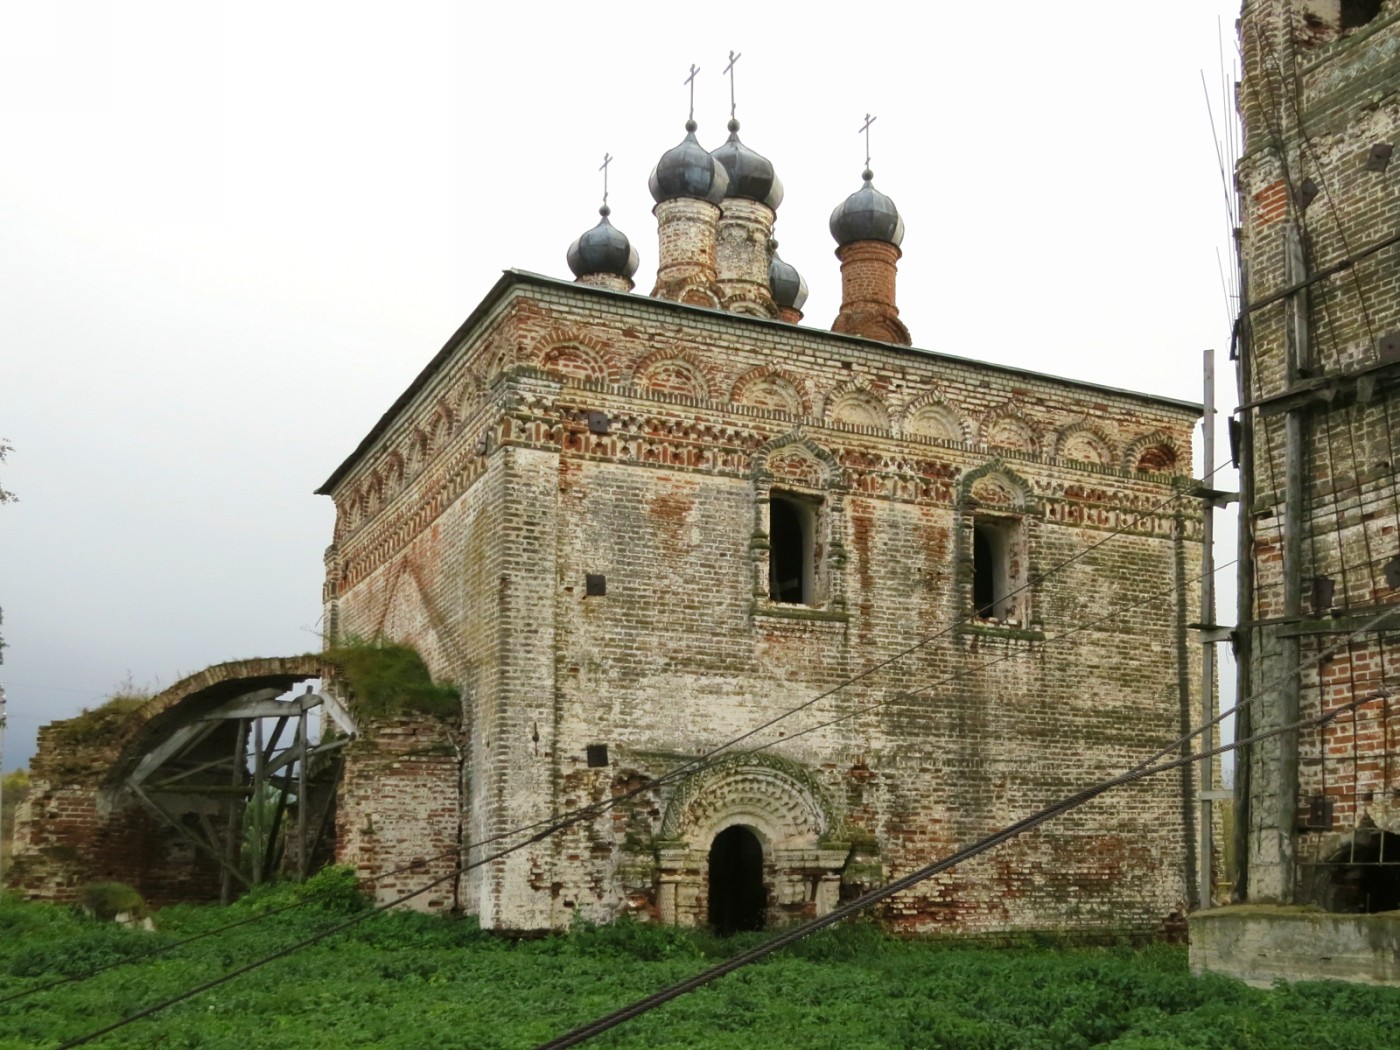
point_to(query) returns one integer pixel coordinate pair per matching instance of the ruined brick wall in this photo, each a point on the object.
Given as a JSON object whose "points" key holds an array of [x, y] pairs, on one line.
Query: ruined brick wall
{"points": [[1321, 117], [641, 442], [74, 829], [82, 822], [398, 810]]}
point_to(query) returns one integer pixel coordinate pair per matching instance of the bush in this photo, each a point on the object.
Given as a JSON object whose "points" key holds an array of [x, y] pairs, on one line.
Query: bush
{"points": [[334, 889], [107, 900], [387, 679]]}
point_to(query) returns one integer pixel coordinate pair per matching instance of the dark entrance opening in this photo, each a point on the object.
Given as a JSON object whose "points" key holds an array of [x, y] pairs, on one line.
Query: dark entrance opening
{"points": [[1363, 876], [738, 900]]}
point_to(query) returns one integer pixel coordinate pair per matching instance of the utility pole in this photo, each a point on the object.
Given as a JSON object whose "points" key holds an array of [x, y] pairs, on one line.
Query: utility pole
{"points": [[1212, 634]]}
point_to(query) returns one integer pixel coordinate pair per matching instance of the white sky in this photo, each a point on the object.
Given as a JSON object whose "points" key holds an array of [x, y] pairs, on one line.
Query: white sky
{"points": [[231, 234]]}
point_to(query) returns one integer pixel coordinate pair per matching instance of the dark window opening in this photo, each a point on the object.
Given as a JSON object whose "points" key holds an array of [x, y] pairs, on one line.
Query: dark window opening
{"points": [[791, 551], [993, 578], [738, 898], [983, 590], [597, 755], [1359, 12], [1363, 876]]}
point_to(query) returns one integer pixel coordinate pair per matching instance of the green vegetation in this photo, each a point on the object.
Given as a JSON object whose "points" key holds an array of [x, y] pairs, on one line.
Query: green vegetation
{"points": [[387, 679], [107, 900], [402, 981], [98, 724]]}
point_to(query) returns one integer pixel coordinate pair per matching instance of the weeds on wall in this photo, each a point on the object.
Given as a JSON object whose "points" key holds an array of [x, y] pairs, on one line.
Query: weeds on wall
{"points": [[99, 724], [387, 679]]}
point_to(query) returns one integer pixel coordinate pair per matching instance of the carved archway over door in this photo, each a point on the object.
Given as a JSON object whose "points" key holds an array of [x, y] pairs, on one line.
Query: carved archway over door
{"points": [[782, 808]]}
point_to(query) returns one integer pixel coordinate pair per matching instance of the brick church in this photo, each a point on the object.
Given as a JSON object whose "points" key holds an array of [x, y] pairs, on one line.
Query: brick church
{"points": [[937, 593], [634, 526]]}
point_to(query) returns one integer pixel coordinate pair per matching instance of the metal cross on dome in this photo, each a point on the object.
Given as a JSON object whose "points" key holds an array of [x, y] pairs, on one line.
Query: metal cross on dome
{"points": [[865, 129], [690, 80], [607, 159], [729, 72]]}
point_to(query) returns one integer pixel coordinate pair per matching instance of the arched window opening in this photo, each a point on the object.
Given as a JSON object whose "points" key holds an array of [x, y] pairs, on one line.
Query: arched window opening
{"points": [[984, 571], [1358, 12], [998, 570], [738, 898], [1363, 876], [792, 534]]}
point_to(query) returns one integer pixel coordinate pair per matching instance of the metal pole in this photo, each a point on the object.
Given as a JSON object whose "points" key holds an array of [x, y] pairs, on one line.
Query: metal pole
{"points": [[1207, 778], [1289, 645], [301, 796], [258, 803]]}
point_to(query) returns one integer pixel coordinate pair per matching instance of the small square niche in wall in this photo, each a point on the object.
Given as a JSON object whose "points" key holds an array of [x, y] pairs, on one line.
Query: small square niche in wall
{"points": [[595, 585], [597, 755]]}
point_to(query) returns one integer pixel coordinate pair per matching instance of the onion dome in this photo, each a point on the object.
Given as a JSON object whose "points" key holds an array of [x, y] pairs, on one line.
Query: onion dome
{"points": [[750, 175], [688, 171], [788, 287], [867, 215], [603, 249]]}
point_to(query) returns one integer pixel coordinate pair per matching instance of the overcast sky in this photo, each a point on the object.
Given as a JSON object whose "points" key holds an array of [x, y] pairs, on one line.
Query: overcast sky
{"points": [[232, 233]]}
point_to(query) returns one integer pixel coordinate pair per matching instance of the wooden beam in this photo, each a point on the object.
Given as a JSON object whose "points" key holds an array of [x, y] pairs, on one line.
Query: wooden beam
{"points": [[179, 741], [185, 832], [261, 703]]}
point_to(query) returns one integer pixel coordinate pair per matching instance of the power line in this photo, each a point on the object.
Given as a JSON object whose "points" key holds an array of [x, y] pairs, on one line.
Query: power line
{"points": [[704, 760], [571, 818], [1139, 772], [164, 948], [255, 964], [567, 821], [547, 828]]}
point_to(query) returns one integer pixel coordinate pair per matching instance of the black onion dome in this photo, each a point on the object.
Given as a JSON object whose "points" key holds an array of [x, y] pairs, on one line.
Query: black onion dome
{"points": [[603, 249], [750, 175], [867, 215], [688, 171], [787, 285]]}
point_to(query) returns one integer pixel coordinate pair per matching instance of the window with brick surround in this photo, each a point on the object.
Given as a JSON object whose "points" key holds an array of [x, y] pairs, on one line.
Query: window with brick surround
{"points": [[999, 592], [792, 548], [1359, 12]]}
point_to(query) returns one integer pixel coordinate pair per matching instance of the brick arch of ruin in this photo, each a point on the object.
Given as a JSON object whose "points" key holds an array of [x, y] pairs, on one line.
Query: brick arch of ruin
{"points": [[198, 694], [126, 797]]}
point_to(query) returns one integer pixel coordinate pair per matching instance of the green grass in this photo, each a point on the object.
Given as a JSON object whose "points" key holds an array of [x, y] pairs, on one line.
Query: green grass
{"points": [[387, 678], [402, 981]]}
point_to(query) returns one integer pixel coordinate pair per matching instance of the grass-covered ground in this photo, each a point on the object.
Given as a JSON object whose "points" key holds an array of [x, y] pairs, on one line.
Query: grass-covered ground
{"points": [[407, 982]]}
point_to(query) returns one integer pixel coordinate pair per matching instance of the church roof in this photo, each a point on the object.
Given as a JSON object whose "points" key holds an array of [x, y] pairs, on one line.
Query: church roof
{"points": [[510, 279]]}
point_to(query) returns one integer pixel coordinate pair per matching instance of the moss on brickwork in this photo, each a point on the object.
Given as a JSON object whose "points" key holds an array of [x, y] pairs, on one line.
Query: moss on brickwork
{"points": [[388, 679], [98, 725]]}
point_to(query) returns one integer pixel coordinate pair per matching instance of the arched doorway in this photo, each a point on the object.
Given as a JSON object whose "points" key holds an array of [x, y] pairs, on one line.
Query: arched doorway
{"points": [[738, 898]]}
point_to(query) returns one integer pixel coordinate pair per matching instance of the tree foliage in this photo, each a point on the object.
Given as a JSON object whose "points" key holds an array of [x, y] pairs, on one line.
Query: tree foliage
{"points": [[6, 496]]}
